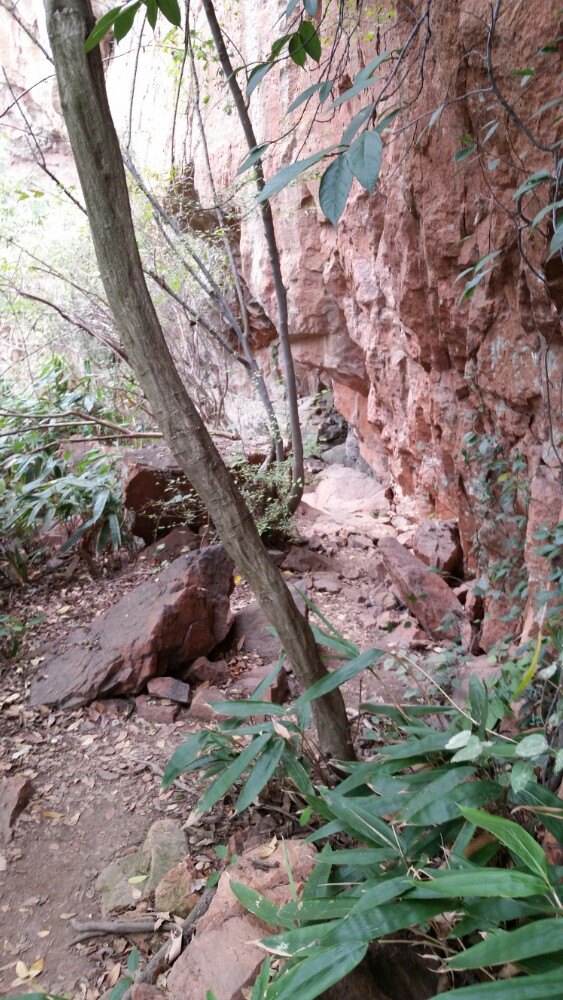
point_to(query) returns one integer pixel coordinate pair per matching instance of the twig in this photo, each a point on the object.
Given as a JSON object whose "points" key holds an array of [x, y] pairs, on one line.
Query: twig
{"points": [[95, 928]]}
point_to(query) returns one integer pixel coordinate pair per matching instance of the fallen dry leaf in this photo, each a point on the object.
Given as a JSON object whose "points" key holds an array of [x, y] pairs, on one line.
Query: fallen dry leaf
{"points": [[43, 934], [73, 820], [50, 814], [268, 849], [114, 974], [175, 947]]}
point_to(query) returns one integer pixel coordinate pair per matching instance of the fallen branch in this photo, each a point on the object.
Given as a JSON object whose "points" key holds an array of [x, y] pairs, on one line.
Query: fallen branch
{"points": [[95, 928], [159, 961]]}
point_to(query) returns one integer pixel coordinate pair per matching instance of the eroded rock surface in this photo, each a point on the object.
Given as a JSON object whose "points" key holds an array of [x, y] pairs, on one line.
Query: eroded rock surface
{"points": [[426, 595], [179, 614]]}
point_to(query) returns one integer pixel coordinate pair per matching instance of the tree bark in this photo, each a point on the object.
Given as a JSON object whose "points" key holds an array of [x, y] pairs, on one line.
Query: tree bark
{"points": [[100, 168]]}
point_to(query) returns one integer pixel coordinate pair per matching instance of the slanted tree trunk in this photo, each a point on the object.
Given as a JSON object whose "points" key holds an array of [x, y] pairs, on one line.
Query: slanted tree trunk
{"points": [[98, 159]]}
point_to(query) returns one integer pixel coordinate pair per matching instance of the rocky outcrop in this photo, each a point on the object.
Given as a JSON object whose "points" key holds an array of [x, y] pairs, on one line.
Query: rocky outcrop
{"points": [[425, 594], [156, 493], [178, 615]]}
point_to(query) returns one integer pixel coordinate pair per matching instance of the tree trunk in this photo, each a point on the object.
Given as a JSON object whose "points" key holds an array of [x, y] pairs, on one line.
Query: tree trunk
{"points": [[98, 159], [273, 254]]}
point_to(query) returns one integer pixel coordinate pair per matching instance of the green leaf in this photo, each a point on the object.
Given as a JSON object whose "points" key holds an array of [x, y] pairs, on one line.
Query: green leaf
{"points": [[133, 960], [286, 175], [532, 746], [546, 210], [521, 988], [171, 11], [512, 836], [256, 77], [471, 751], [333, 195], [311, 7], [340, 676], [491, 883], [252, 158], [261, 984], [242, 709], [183, 757], [101, 29], [306, 94], [257, 904], [223, 783], [356, 815], [356, 123], [463, 153], [120, 988], [296, 49], [556, 244], [315, 975], [310, 40], [122, 26], [531, 182], [152, 13], [364, 159], [478, 697], [543, 937], [263, 769], [436, 789]]}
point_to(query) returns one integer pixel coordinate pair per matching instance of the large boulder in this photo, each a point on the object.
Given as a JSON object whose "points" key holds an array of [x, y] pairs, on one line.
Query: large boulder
{"points": [[155, 629], [426, 594], [156, 492], [223, 956], [437, 543]]}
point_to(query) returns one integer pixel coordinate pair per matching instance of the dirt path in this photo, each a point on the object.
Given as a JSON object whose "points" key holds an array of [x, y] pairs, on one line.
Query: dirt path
{"points": [[97, 775]]}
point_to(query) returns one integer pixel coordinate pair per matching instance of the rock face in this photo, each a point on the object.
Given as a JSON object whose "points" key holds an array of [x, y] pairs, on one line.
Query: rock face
{"points": [[152, 480], [178, 615], [426, 595], [15, 793], [164, 848], [222, 956]]}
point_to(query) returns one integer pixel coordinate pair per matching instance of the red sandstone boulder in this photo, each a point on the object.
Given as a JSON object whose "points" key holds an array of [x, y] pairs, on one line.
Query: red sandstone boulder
{"points": [[437, 543], [426, 594], [152, 480], [223, 956], [15, 793], [178, 615]]}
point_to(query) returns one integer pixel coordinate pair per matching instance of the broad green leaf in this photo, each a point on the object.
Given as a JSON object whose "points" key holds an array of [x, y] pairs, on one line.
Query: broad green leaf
{"points": [[311, 7], [120, 988], [183, 757], [364, 159], [242, 709], [539, 938], [532, 746], [512, 836], [310, 40], [349, 669], [521, 988], [471, 751], [288, 174], [264, 768], [333, 193], [257, 904], [133, 960], [531, 182], [171, 11], [152, 13], [315, 975], [296, 49], [252, 158], [101, 28], [223, 783], [121, 27], [493, 882], [546, 210]]}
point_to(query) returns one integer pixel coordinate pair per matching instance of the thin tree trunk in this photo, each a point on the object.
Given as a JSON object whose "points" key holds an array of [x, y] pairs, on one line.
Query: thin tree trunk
{"points": [[98, 159], [273, 254]]}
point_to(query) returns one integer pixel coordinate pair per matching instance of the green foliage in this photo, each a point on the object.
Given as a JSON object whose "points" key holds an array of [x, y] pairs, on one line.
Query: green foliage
{"points": [[42, 486]]}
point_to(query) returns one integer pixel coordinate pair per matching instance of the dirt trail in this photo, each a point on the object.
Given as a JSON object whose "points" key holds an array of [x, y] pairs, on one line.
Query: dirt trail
{"points": [[97, 777]]}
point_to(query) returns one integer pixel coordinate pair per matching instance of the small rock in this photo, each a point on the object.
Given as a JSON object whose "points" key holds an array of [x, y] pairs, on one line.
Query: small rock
{"points": [[174, 893], [426, 594], [155, 712], [166, 846], [327, 582], [172, 546], [277, 556], [169, 687], [301, 559], [250, 632], [360, 542], [384, 598], [203, 671], [15, 793], [200, 707]]}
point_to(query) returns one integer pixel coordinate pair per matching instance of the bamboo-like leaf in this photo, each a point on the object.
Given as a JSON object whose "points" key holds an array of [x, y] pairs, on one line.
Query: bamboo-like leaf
{"points": [[257, 904], [512, 836], [264, 768], [288, 174], [543, 937], [101, 28], [338, 677], [183, 757], [490, 882], [521, 988], [243, 709], [315, 975], [171, 11], [124, 21], [221, 786]]}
